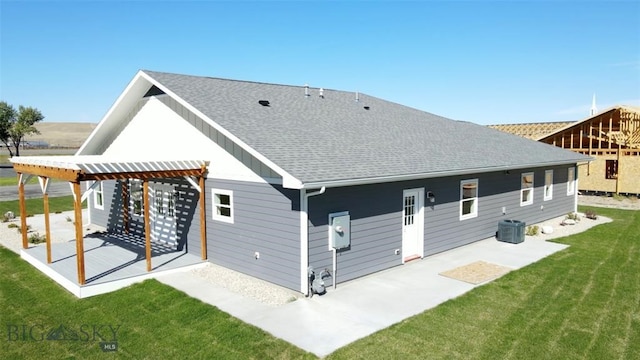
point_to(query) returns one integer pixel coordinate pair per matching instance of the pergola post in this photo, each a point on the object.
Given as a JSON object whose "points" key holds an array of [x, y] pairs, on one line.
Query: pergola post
{"points": [[124, 186], [77, 208], [47, 227], [147, 223], [203, 218], [23, 211]]}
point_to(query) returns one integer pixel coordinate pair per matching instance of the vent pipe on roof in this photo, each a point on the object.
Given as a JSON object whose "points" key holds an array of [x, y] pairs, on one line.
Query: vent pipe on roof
{"points": [[321, 92], [357, 96], [306, 90]]}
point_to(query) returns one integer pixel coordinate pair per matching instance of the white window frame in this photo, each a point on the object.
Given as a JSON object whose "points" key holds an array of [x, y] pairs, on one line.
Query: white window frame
{"points": [[217, 204], [571, 181], [98, 193], [523, 189], [474, 200], [548, 187]]}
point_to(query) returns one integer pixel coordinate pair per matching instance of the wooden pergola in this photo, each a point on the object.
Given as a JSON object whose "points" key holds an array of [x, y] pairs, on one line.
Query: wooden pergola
{"points": [[76, 169]]}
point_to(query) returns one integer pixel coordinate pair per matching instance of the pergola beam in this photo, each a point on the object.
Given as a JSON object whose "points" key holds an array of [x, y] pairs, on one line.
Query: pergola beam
{"points": [[70, 171]]}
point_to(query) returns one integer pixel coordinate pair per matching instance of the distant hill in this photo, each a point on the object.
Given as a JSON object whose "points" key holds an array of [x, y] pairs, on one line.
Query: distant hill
{"points": [[61, 134]]}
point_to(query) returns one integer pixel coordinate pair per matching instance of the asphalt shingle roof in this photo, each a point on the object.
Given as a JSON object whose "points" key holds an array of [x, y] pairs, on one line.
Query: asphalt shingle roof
{"points": [[335, 138]]}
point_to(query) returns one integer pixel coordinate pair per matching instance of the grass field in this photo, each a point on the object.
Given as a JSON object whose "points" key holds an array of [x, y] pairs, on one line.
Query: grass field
{"points": [[36, 206], [580, 303]]}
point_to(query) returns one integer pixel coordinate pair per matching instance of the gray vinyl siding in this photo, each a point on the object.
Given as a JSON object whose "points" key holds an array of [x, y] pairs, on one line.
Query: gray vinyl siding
{"points": [[112, 199], [266, 220], [376, 217]]}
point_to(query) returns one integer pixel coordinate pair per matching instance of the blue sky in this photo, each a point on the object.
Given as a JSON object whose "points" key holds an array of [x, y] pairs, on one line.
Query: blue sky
{"points": [[479, 61]]}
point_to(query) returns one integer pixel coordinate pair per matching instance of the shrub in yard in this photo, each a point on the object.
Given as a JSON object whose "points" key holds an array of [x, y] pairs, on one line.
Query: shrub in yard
{"points": [[36, 238], [573, 216], [12, 226], [591, 214], [532, 230], [20, 229]]}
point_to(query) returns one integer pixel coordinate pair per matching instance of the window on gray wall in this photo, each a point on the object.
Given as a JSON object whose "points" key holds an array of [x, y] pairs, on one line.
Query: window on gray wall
{"points": [[98, 196], [222, 205], [571, 182], [526, 189], [468, 199], [548, 185]]}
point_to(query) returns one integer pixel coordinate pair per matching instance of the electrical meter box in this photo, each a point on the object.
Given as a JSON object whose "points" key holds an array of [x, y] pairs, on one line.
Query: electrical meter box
{"points": [[339, 230]]}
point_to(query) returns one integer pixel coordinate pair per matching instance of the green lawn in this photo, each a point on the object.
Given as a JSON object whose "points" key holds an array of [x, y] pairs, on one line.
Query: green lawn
{"points": [[36, 206], [580, 303], [155, 322], [13, 181]]}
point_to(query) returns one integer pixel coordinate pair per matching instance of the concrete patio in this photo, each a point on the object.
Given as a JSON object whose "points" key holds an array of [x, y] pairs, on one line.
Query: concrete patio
{"points": [[356, 309]]}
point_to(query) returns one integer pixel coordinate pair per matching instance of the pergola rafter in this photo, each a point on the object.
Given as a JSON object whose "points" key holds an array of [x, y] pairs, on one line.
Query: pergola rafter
{"points": [[76, 169]]}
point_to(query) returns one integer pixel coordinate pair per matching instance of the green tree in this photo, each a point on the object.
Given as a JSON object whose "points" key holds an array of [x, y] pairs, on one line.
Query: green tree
{"points": [[14, 126]]}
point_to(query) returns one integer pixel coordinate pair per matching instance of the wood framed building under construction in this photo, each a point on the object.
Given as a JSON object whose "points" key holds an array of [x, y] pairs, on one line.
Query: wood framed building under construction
{"points": [[611, 137]]}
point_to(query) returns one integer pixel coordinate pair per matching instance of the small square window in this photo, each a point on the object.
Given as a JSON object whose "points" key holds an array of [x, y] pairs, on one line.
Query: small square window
{"points": [[526, 189], [222, 205]]}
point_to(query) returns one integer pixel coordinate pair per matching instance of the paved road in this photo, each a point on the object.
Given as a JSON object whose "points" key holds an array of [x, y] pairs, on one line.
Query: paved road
{"points": [[33, 191]]}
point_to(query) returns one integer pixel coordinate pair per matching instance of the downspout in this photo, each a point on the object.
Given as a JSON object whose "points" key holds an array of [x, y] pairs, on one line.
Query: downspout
{"points": [[304, 237]]}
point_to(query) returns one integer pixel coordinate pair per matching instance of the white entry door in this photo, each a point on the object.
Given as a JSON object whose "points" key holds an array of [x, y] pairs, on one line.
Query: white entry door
{"points": [[163, 211], [412, 224]]}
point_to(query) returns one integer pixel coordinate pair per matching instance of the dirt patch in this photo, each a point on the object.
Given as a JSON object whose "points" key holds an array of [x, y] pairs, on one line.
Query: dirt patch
{"points": [[477, 272], [617, 202]]}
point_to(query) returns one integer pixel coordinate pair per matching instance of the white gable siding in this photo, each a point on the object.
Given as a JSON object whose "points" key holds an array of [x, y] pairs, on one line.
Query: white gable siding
{"points": [[162, 128]]}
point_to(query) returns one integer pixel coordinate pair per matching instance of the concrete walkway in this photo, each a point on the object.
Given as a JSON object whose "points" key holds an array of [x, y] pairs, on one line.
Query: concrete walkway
{"points": [[356, 309]]}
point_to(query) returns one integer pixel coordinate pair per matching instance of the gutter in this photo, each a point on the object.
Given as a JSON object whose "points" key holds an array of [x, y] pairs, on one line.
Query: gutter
{"points": [[430, 175], [304, 237]]}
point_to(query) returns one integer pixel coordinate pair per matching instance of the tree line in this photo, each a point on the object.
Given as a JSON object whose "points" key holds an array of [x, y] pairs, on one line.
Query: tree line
{"points": [[15, 125]]}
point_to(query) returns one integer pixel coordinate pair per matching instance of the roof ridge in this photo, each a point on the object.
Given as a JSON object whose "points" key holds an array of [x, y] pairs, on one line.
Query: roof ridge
{"points": [[251, 81]]}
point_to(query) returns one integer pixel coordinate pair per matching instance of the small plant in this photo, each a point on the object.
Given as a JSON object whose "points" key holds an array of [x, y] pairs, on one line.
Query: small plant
{"points": [[573, 216], [12, 226], [20, 228], [618, 197], [36, 238], [8, 216], [591, 214], [532, 230], [68, 219]]}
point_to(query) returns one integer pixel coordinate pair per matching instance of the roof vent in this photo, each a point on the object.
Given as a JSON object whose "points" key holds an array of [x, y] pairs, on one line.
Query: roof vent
{"points": [[367, 107], [263, 102], [321, 92], [306, 90], [357, 96]]}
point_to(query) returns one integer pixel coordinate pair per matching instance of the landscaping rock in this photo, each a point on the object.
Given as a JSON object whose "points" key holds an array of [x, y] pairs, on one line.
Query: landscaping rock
{"points": [[547, 229], [568, 222]]}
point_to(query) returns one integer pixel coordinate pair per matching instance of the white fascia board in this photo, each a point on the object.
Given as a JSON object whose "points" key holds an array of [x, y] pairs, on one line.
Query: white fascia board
{"points": [[431, 175], [289, 181], [131, 94]]}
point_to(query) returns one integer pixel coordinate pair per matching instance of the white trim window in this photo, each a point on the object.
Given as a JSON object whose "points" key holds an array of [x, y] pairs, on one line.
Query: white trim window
{"points": [[222, 205], [526, 189], [571, 180], [98, 196], [548, 185], [468, 199]]}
